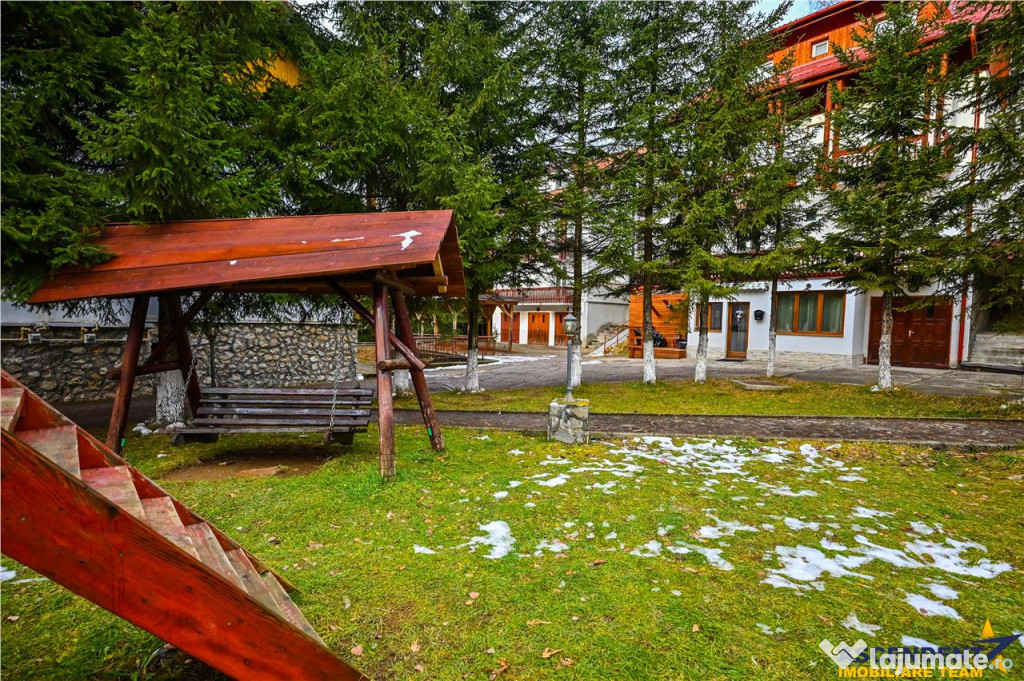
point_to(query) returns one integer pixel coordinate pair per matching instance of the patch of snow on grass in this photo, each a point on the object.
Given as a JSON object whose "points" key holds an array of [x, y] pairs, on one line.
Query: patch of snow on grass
{"points": [[648, 550], [555, 481], [422, 549], [713, 556], [862, 512], [6, 574], [851, 622], [499, 538], [912, 642], [500, 495], [554, 546], [927, 606], [805, 564], [765, 629], [942, 592], [723, 528], [794, 524]]}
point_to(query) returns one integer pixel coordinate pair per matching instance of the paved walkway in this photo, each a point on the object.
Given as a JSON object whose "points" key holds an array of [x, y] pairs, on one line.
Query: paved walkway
{"points": [[548, 369], [973, 433]]}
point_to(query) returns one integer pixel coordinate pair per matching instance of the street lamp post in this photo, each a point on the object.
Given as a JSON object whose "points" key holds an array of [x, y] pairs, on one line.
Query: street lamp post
{"points": [[571, 326]]}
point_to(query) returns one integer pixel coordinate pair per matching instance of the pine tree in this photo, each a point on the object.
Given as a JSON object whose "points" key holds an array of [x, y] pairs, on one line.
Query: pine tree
{"points": [[996, 210], [891, 202], [62, 63], [781, 182], [714, 147], [575, 98], [655, 44]]}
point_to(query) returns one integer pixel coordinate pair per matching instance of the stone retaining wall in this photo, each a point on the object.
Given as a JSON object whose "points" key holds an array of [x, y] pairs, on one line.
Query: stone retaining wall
{"points": [[64, 369]]}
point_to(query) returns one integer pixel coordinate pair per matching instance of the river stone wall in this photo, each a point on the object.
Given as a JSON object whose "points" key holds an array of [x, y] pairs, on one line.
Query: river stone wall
{"points": [[64, 369]]}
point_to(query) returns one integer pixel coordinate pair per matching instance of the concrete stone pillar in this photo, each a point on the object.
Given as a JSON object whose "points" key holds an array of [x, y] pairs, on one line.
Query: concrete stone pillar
{"points": [[569, 422]]}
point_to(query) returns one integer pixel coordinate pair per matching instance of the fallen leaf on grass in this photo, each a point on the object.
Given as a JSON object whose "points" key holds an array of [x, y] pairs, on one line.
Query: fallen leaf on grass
{"points": [[315, 545], [415, 647], [357, 651], [489, 651], [696, 627], [596, 563], [13, 618], [549, 653], [474, 594], [418, 668], [500, 670], [533, 623], [332, 627], [566, 662]]}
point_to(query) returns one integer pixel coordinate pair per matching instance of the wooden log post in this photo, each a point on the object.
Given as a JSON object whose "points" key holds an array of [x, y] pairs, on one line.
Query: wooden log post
{"points": [[419, 379], [185, 357], [385, 409], [126, 381]]}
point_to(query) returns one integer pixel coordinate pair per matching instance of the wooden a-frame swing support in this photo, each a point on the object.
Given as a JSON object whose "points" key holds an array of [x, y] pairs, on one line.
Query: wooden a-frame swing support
{"points": [[345, 255], [404, 342]]}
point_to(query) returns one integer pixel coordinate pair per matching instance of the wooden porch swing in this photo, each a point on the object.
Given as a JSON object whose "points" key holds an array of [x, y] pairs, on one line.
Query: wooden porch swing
{"points": [[383, 255]]}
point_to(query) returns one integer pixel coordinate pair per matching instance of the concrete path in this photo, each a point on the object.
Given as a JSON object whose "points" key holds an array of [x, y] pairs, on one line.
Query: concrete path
{"points": [[547, 368], [967, 433]]}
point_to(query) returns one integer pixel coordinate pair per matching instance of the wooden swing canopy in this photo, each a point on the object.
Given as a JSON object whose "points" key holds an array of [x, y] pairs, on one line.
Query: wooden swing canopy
{"points": [[383, 255], [291, 254]]}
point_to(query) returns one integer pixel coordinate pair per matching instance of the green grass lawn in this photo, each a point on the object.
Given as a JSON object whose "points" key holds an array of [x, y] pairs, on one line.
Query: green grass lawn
{"points": [[347, 541], [802, 398]]}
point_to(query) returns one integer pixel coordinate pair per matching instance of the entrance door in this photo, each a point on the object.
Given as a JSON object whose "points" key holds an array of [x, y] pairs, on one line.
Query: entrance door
{"points": [[510, 328], [537, 328], [920, 337], [739, 323], [560, 328]]}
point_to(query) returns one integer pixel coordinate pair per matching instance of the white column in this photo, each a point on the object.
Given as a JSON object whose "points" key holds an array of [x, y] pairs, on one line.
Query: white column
{"points": [[524, 327], [551, 328]]}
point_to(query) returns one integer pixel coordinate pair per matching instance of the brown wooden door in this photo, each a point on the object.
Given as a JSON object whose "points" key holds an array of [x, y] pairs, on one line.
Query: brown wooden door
{"points": [[508, 327], [537, 328], [559, 328], [920, 337], [739, 331]]}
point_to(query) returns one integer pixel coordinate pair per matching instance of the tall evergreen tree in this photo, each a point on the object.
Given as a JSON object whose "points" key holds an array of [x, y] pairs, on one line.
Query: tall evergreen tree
{"points": [[997, 199], [891, 202], [575, 98], [655, 44], [781, 182], [714, 146], [61, 64]]}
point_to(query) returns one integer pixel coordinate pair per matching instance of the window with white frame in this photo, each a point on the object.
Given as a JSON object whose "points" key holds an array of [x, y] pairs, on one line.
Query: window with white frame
{"points": [[819, 48]]}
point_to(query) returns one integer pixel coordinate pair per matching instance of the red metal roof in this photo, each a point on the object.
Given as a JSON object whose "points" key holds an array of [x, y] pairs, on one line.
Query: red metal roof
{"points": [[281, 254]]}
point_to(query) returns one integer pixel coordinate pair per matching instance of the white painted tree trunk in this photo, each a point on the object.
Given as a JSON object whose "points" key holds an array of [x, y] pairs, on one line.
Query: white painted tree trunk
{"points": [[576, 364], [170, 397], [770, 370], [472, 371], [885, 381], [401, 383], [700, 371], [650, 366]]}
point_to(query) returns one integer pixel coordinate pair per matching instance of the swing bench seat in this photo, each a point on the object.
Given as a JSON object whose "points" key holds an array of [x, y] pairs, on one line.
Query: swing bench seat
{"points": [[279, 410]]}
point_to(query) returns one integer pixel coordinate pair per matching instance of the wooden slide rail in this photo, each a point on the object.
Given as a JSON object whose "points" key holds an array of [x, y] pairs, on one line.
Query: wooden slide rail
{"points": [[77, 513]]}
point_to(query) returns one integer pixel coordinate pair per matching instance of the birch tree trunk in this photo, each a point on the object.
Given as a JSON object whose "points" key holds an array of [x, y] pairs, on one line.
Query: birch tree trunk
{"points": [[401, 383], [700, 371], [770, 370], [650, 366], [885, 381], [472, 356]]}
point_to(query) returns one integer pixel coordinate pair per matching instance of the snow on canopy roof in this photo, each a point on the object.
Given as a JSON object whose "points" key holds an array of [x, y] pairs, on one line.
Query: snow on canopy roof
{"points": [[294, 254]]}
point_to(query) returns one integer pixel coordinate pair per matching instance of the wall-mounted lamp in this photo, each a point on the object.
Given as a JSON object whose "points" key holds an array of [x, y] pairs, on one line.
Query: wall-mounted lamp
{"points": [[35, 338], [89, 338]]}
